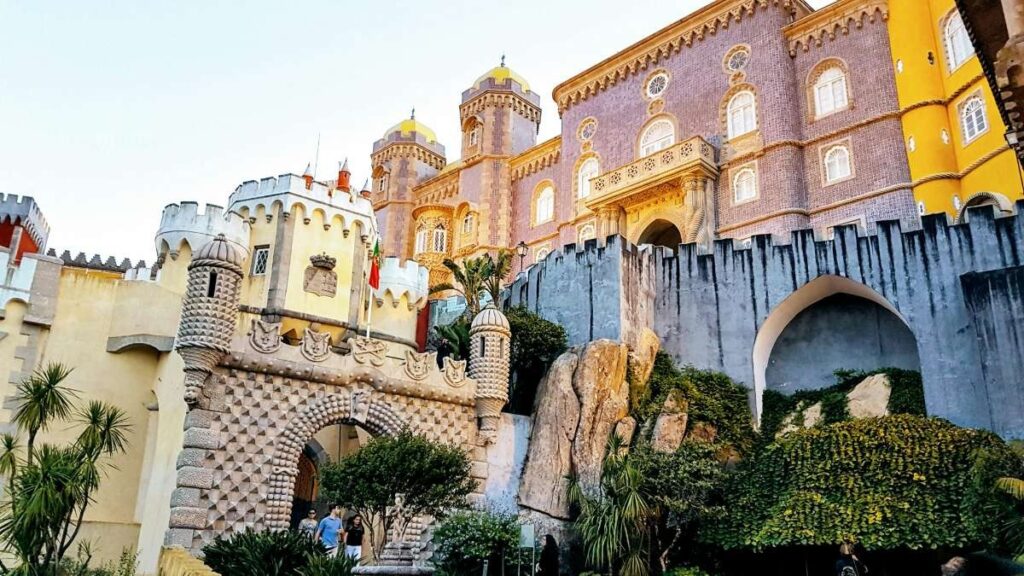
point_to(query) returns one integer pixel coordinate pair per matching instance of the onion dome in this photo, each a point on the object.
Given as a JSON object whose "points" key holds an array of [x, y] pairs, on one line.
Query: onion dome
{"points": [[500, 75], [490, 318], [409, 126], [219, 252]]}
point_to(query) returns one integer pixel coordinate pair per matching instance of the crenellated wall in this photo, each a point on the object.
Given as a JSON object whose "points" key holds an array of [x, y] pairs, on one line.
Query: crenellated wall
{"points": [[727, 309], [184, 223]]}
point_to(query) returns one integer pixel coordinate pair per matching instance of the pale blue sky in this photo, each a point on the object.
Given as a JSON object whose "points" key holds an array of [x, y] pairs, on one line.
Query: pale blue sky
{"points": [[109, 110]]}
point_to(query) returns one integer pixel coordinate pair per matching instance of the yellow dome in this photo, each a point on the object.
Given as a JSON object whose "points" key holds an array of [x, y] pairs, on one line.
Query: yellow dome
{"points": [[500, 74], [410, 125]]}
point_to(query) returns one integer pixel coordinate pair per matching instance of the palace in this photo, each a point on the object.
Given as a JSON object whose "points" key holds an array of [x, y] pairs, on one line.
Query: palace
{"points": [[743, 118], [798, 165]]}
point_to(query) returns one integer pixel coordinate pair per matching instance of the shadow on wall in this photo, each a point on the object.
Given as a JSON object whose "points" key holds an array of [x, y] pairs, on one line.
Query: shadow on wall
{"points": [[841, 331]]}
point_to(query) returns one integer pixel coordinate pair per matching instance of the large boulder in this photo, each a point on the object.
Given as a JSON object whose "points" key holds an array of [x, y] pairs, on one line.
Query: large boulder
{"points": [[670, 427], [641, 363], [545, 480], [870, 398], [603, 393]]}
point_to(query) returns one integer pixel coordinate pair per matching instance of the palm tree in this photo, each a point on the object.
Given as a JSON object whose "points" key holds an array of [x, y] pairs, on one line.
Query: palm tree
{"points": [[497, 270], [476, 276], [42, 399], [1014, 524]]}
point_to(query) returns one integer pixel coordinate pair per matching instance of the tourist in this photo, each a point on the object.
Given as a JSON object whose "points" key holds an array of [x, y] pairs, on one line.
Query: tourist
{"points": [[548, 565], [307, 527], [329, 529], [354, 538], [848, 563]]}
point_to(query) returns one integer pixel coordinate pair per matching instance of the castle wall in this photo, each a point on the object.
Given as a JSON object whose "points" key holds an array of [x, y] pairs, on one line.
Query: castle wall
{"points": [[724, 311]]}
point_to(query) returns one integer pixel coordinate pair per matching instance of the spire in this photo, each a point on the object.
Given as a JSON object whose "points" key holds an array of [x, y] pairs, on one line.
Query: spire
{"points": [[502, 60], [344, 176], [412, 116], [308, 175], [365, 192]]}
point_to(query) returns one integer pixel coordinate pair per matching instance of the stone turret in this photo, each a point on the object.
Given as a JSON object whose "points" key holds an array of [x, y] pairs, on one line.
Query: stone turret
{"points": [[489, 341], [209, 312]]}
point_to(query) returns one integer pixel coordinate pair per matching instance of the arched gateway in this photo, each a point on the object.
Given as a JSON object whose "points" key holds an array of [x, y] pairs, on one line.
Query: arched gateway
{"points": [[255, 400]]}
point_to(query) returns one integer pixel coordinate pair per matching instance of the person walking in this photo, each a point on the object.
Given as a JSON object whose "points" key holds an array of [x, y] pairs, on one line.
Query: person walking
{"points": [[307, 527], [329, 530], [848, 564], [548, 565], [354, 538]]}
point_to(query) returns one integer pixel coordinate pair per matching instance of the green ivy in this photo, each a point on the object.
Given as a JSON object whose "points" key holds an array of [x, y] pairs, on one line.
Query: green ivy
{"points": [[713, 398], [535, 344], [900, 481], [906, 397]]}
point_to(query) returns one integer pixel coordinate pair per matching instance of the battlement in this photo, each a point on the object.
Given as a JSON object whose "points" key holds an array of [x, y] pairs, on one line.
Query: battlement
{"points": [[289, 190], [97, 262], [403, 278], [25, 211], [185, 223]]}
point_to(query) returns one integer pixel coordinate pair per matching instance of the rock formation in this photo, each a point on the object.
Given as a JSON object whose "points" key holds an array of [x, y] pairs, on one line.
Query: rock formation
{"points": [[670, 427]]}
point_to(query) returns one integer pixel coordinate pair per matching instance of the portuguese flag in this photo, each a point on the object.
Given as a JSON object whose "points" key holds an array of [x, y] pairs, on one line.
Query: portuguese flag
{"points": [[375, 266]]}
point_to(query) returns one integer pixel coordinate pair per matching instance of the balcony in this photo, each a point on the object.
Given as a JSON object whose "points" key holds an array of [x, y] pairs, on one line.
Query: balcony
{"points": [[693, 156]]}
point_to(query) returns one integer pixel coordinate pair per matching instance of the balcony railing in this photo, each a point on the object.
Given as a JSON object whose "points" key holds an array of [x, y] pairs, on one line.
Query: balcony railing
{"points": [[660, 166]]}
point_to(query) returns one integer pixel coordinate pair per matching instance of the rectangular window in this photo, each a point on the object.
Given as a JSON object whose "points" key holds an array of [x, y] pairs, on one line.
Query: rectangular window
{"points": [[260, 257]]}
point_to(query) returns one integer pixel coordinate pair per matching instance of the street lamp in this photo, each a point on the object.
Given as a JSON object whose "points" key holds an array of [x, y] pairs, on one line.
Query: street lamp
{"points": [[521, 249]]}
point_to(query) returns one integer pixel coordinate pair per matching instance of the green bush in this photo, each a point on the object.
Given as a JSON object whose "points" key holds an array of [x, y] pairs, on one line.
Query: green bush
{"points": [[899, 481], [270, 553], [686, 571], [465, 539], [536, 343], [318, 565]]}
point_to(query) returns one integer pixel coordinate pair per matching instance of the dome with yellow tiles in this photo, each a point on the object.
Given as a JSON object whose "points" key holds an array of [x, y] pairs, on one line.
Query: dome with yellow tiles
{"points": [[500, 75], [410, 125]]}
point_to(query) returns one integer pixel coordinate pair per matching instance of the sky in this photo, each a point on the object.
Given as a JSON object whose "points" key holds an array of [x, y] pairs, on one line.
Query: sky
{"points": [[110, 110]]}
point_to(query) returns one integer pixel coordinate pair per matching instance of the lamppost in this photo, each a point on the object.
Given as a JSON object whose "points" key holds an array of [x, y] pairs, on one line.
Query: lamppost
{"points": [[521, 249]]}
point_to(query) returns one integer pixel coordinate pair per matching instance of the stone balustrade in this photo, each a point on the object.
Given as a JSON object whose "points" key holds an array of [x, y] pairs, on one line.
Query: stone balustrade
{"points": [[653, 169]]}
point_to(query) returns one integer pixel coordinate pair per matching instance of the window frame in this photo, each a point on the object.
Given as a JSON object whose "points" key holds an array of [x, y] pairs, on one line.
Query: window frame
{"points": [[420, 243], [821, 84], [951, 41], [648, 128], [545, 199], [580, 182], [580, 232], [256, 251], [826, 151], [734, 178], [467, 223], [439, 232], [750, 124], [650, 79], [966, 138]]}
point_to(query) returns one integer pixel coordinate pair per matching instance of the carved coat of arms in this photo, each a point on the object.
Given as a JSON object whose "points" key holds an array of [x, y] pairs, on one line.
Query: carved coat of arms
{"points": [[316, 346], [417, 365], [369, 350], [265, 336], [454, 372], [320, 277]]}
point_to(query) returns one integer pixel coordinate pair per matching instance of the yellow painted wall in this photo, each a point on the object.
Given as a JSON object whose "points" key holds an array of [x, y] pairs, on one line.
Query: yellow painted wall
{"points": [[262, 233], [174, 271], [11, 326], [929, 95]]}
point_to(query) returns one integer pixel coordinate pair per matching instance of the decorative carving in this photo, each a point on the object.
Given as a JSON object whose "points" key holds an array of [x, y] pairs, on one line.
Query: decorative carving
{"points": [[265, 336], [320, 277], [454, 372], [359, 406], [400, 517], [369, 350], [316, 346], [417, 365]]}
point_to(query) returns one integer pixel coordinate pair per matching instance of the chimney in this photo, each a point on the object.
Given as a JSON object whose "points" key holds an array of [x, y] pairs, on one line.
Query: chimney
{"points": [[308, 176], [343, 177], [365, 192]]}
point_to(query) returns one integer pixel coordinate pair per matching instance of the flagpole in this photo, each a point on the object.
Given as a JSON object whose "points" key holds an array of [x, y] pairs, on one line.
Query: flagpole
{"points": [[369, 309]]}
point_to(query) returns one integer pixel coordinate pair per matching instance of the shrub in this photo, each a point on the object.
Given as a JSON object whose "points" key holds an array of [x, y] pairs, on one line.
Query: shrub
{"points": [[900, 481], [318, 565], [271, 553], [465, 539], [536, 343]]}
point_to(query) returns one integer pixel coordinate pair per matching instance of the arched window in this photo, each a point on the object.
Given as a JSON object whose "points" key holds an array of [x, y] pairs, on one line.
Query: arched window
{"points": [[544, 211], [657, 136], [474, 135], [589, 169], [837, 164], [958, 43], [421, 241], [382, 182], [742, 114], [440, 239], [830, 92], [587, 233], [744, 185], [467, 224], [973, 121], [541, 254]]}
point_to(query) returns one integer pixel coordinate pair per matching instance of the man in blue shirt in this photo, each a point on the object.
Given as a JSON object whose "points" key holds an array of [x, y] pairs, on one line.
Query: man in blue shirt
{"points": [[329, 530]]}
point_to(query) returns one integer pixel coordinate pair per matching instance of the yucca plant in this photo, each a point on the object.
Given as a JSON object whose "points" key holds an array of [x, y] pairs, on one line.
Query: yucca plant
{"points": [[1013, 525], [51, 487], [325, 566], [475, 277], [269, 553]]}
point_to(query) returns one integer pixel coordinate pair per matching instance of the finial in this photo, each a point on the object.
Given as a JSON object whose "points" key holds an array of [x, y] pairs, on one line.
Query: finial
{"points": [[412, 116], [502, 60], [344, 165]]}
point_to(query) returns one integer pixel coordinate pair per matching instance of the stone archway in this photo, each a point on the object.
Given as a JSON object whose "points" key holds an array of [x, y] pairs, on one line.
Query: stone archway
{"points": [[661, 232], [1001, 203], [360, 408], [797, 303]]}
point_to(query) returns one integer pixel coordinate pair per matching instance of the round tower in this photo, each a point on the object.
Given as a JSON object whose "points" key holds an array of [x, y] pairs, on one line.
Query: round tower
{"points": [[489, 342], [209, 311]]}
